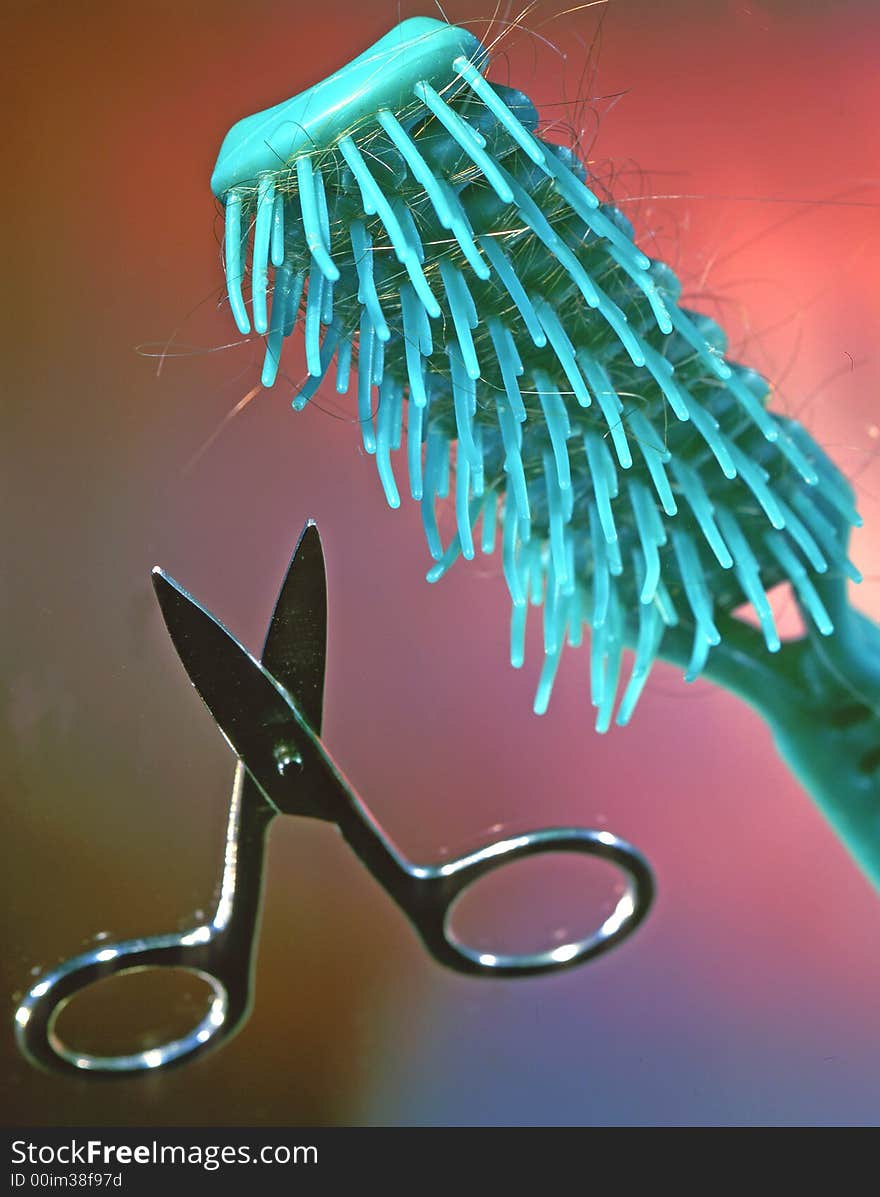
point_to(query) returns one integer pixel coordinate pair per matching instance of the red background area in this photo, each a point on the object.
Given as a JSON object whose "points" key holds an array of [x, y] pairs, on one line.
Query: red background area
{"points": [[742, 140]]}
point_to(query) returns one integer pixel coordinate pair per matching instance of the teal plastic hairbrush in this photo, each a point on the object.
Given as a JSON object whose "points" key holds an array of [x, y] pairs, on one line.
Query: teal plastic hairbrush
{"points": [[497, 324]]}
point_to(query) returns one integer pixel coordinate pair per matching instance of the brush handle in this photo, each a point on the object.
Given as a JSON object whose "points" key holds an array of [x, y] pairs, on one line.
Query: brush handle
{"points": [[821, 699], [831, 739]]}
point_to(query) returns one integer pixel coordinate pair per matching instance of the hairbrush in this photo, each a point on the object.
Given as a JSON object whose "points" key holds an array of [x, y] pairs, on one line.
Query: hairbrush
{"points": [[501, 331]]}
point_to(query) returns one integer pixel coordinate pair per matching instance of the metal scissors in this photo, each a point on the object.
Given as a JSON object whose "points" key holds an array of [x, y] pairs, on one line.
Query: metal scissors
{"points": [[270, 713]]}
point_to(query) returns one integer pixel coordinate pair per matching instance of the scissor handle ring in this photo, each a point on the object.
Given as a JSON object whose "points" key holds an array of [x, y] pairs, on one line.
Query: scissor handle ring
{"points": [[38, 1012], [458, 876]]}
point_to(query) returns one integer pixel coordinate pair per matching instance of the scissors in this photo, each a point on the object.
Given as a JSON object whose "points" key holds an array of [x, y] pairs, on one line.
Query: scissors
{"points": [[270, 713]]}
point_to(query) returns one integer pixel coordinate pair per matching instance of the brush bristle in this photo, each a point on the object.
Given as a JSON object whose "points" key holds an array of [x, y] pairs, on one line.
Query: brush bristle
{"points": [[461, 277]]}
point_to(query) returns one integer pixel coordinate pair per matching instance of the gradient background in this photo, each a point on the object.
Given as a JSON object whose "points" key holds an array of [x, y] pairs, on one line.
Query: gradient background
{"points": [[742, 138]]}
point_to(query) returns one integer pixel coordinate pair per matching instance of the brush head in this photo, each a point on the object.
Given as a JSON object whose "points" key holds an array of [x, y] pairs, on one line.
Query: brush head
{"points": [[459, 276], [419, 49]]}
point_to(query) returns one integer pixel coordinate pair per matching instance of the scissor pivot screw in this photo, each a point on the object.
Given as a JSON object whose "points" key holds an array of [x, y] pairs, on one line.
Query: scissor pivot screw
{"points": [[285, 756]]}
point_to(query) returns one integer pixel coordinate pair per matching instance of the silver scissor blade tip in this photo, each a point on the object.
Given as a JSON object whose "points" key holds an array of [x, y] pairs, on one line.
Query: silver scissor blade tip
{"points": [[184, 616], [168, 591], [160, 578], [310, 536], [295, 651], [252, 710]]}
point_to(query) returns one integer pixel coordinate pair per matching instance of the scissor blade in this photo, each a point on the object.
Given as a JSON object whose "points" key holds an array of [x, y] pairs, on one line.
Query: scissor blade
{"points": [[295, 651], [255, 714]]}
